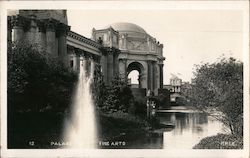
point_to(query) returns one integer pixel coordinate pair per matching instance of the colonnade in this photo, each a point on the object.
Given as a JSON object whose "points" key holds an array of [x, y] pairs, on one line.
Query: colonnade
{"points": [[49, 35], [76, 54], [110, 64], [155, 75]]}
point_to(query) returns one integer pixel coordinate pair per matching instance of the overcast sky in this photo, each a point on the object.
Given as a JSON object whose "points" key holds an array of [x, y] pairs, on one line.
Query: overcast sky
{"points": [[189, 36]]}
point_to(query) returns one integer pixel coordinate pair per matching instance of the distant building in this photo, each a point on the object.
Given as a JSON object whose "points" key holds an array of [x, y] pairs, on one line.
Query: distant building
{"points": [[174, 88], [176, 82], [175, 85]]}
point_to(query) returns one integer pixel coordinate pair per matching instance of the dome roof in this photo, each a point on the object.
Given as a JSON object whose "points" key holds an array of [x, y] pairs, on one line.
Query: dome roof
{"points": [[126, 27]]}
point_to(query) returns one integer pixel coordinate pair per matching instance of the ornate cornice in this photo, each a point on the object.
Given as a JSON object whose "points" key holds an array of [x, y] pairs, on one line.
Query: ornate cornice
{"points": [[84, 39]]}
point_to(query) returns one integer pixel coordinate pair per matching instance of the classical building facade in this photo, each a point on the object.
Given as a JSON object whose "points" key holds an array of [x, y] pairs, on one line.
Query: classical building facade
{"points": [[47, 29], [118, 48], [137, 51]]}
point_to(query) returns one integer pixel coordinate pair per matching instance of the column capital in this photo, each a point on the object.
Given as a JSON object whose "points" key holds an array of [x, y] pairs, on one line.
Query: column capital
{"points": [[50, 24], [63, 29], [151, 61], [96, 58], [41, 26], [78, 52], [161, 64], [17, 21], [110, 50], [124, 60], [70, 49]]}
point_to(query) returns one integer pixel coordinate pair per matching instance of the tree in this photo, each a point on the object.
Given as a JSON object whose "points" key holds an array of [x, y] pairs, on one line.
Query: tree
{"points": [[217, 89], [99, 89], [115, 97], [36, 80]]}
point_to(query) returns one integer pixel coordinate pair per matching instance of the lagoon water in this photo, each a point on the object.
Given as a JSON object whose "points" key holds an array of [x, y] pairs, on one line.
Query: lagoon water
{"points": [[190, 127]]}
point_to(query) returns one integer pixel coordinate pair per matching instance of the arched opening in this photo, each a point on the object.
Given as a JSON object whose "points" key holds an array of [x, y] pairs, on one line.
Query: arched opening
{"points": [[133, 79], [134, 73]]}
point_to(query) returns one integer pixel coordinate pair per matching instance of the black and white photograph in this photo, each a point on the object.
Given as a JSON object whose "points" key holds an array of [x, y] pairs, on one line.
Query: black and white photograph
{"points": [[150, 79]]}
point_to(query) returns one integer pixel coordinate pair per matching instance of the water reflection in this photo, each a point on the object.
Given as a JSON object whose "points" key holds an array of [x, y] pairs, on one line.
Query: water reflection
{"points": [[190, 128]]}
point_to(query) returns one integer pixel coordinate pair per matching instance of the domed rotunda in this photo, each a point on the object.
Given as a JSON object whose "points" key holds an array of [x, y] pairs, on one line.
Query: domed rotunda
{"points": [[137, 51]]}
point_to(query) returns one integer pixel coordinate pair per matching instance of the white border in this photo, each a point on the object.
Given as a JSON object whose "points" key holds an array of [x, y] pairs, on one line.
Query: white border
{"points": [[119, 5]]}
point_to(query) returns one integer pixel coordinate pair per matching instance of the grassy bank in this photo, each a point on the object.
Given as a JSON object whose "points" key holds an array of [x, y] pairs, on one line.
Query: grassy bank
{"points": [[220, 141]]}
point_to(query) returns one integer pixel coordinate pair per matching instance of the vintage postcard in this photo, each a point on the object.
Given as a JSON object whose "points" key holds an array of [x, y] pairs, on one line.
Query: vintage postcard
{"points": [[125, 79]]}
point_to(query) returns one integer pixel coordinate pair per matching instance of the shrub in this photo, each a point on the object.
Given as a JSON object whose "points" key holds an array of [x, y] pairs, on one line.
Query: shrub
{"points": [[220, 141], [36, 81]]}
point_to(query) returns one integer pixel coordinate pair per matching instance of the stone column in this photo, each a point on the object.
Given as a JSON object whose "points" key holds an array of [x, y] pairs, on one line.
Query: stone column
{"points": [[41, 36], [62, 46], [161, 75], [87, 60], [144, 78], [17, 28], [84, 62], [31, 35], [140, 80], [150, 75], [51, 38], [116, 64], [72, 58], [110, 69], [123, 69], [77, 52], [156, 80], [157, 76], [104, 66]]}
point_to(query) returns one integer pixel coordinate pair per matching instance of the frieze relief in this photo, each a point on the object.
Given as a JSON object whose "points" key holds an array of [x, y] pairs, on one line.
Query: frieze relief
{"points": [[137, 45]]}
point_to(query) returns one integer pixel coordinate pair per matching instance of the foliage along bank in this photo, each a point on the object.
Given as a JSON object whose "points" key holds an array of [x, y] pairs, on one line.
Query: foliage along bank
{"points": [[36, 81], [217, 89]]}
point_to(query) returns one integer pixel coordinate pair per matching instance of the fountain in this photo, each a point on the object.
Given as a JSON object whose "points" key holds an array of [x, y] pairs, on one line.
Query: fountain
{"points": [[81, 130]]}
